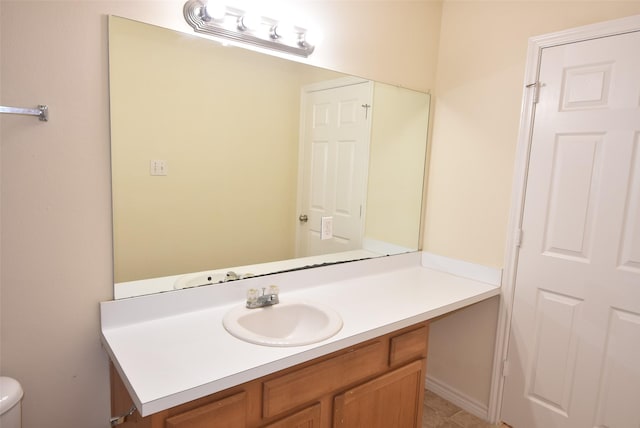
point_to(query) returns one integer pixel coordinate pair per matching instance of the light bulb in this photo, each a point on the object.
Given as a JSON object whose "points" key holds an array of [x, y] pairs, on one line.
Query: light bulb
{"points": [[312, 37], [249, 22], [215, 10], [284, 31]]}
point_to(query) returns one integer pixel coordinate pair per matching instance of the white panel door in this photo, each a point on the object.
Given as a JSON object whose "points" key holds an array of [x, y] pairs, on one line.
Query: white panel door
{"points": [[574, 349], [335, 163]]}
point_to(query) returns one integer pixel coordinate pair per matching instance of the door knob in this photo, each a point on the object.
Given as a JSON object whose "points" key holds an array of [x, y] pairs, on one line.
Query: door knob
{"points": [[303, 218]]}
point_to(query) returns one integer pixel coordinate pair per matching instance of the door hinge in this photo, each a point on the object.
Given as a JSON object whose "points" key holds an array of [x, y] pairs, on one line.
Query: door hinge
{"points": [[505, 368], [536, 91], [518, 238]]}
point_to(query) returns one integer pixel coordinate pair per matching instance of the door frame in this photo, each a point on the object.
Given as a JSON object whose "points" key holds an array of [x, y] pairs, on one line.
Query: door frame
{"points": [[514, 234], [304, 99]]}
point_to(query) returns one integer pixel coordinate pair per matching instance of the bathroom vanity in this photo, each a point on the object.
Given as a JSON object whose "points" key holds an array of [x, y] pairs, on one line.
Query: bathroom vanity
{"points": [[377, 383], [173, 359]]}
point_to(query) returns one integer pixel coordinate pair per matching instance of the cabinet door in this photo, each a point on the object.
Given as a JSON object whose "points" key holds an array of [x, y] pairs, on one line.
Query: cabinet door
{"points": [[307, 418], [228, 412], [393, 400]]}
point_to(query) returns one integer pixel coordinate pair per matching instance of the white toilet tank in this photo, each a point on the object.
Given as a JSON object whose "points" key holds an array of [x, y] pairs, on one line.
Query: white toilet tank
{"points": [[10, 403]]}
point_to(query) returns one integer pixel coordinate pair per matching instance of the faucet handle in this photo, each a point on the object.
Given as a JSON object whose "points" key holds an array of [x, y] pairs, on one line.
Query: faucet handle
{"points": [[273, 294], [252, 295]]}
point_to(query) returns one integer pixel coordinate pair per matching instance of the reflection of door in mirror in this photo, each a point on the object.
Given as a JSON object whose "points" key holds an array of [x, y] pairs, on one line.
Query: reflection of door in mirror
{"points": [[334, 152]]}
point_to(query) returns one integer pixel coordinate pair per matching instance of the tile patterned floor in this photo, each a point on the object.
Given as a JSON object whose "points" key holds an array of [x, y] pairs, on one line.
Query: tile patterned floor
{"points": [[439, 413]]}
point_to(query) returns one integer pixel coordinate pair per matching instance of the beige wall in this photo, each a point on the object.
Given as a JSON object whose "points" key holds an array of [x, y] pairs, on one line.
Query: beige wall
{"points": [[478, 93], [56, 184], [396, 161]]}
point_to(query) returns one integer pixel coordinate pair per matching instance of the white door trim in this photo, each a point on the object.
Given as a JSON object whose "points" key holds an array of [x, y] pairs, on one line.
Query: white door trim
{"points": [[534, 53]]}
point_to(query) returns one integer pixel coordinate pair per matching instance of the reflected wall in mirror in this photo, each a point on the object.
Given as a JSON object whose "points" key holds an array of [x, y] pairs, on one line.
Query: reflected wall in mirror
{"points": [[205, 146]]}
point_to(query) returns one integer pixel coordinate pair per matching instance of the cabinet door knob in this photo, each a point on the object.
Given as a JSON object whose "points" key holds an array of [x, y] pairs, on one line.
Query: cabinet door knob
{"points": [[303, 218]]}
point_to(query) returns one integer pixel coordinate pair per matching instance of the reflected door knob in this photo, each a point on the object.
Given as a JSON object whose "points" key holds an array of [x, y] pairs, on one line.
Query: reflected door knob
{"points": [[303, 218]]}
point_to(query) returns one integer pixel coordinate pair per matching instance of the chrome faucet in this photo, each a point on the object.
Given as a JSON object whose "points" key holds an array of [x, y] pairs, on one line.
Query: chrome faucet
{"points": [[267, 298]]}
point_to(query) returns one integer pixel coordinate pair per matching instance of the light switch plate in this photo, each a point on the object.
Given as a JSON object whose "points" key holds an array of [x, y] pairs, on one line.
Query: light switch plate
{"points": [[158, 167], [326, 228]]}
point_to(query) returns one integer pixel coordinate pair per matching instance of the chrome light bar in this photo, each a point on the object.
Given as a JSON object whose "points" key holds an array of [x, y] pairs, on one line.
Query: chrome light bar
{"points": [[233, 24]]}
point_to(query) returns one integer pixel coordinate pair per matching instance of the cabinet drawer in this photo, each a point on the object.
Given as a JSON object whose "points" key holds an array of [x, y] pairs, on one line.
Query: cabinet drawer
{"points": [[228, 412], [409, 346], [310, 383]]}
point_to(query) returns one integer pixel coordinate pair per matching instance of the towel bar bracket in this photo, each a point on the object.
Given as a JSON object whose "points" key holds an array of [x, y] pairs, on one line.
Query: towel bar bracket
{"points": [[42, 111]]}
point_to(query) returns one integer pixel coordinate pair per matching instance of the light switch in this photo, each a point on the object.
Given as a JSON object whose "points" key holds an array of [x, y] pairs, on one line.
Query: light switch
{"points": [[158, 167], [326, 228]]}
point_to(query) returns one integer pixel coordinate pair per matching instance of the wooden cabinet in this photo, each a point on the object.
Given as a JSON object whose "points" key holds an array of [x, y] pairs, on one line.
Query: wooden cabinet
{"points": [[377, 383], [307, 418], [306, 384], [227, 412], [393, 400]]}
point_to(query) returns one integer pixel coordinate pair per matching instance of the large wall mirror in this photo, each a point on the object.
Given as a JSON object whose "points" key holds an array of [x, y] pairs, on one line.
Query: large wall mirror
{"points": [[207, 160]]}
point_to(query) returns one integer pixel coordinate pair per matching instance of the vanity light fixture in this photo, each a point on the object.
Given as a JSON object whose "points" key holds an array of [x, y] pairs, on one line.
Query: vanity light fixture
{"points": [[210, 17]]}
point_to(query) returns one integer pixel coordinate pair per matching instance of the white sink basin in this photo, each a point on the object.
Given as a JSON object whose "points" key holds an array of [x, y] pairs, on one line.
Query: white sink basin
{"points": [[285, 324]]}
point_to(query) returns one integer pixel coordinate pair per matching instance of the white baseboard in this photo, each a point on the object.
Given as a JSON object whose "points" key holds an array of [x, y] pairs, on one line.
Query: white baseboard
{"points": [[456, 397]]}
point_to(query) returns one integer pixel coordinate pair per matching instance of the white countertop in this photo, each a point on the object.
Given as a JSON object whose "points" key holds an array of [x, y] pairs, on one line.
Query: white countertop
{"points": [[171, 348]]}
